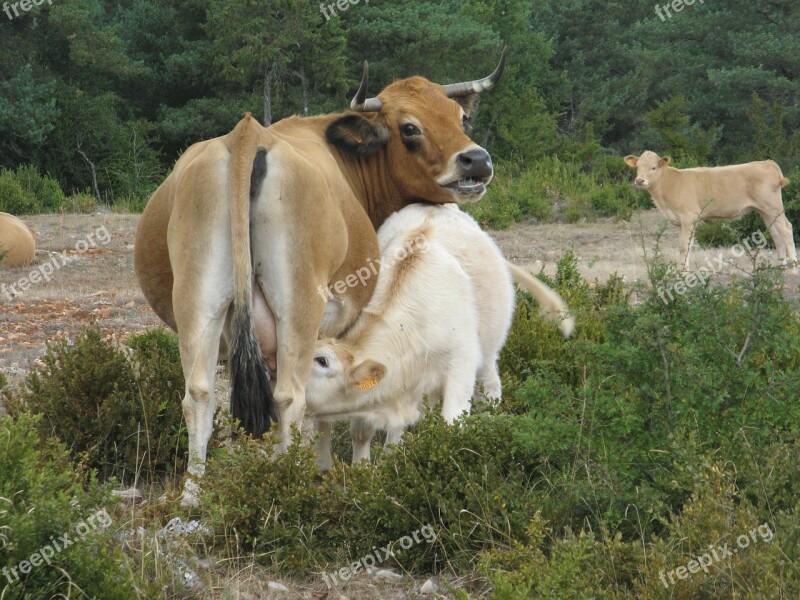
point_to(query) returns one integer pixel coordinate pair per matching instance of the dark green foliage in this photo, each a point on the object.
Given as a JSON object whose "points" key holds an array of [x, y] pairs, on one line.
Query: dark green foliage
{"points": [[118, 412], [45, 497]]}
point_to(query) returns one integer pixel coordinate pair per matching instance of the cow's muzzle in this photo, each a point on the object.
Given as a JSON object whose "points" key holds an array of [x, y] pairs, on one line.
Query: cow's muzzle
{"points": [[476, 170]]}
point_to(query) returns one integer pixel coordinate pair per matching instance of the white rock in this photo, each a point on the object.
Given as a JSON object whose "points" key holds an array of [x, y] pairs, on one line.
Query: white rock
{"points": [[429, 587], [131, 495], [274, 586], [386, 575]]}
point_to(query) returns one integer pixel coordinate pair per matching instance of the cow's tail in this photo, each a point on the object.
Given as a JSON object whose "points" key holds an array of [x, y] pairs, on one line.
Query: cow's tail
{"points": [[553, 305], [782, 181], [252, 403]]}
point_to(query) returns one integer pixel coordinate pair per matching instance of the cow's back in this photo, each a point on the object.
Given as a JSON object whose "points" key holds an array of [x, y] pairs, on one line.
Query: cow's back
{"points": [[724, 192]]}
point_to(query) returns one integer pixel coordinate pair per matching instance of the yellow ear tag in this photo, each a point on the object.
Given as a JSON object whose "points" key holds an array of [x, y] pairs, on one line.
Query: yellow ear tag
{"points": [[367, 384]]}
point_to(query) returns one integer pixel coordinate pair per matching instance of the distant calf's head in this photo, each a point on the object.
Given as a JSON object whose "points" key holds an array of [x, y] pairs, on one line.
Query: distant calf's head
{"points": [[649, 167], [336, 374], [422, 128]]}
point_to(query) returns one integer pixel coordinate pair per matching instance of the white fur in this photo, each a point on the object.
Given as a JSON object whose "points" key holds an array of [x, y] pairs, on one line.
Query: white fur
{"points": [[436, 321]]}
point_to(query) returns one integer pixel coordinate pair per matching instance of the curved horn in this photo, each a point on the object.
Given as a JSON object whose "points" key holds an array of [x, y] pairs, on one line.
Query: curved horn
{"points": [[360, 102], [455, 90]]}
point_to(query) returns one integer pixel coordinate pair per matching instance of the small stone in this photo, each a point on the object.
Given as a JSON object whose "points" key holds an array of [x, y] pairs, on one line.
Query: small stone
{"points": [[429, 587], [274, 586], [386, 575], [131, 495]]}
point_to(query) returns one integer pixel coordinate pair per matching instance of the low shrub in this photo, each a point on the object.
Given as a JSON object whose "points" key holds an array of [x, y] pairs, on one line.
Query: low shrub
{"points": [[43, 497], [118, 412]]}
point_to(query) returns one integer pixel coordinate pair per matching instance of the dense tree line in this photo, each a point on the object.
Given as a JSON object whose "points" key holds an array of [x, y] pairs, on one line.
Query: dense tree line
{"points": [[105, 95]]}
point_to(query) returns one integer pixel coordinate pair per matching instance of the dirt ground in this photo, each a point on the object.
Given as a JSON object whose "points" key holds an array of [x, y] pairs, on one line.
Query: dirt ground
{"points": [[98, 282]]}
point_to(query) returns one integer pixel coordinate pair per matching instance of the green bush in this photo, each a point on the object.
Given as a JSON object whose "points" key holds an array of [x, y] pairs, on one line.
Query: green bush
{"points": [[44, 497], [14, 199], [550, 188], [25, 192], [119, 415]]}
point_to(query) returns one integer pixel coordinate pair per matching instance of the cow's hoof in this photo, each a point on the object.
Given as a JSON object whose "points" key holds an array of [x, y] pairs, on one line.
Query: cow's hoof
{"points": [[191, 493]]}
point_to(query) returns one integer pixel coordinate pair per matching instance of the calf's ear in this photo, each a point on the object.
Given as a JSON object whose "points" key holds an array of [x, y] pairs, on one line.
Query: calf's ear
{"points": [[664, 161], [367, 374], [631, 161], [358, 134]]}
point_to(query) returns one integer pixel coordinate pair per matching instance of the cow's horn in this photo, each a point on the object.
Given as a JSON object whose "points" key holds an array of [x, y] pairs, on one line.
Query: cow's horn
{"points": [[456, 90], [361, 103]]}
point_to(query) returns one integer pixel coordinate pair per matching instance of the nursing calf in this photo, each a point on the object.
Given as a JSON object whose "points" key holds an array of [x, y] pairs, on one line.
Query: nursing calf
{"points": [[440, 313], [687, 196]]}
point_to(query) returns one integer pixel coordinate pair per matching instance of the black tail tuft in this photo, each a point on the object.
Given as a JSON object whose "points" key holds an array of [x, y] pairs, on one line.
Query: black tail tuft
{"points": [[259, 172], [252, 403]]}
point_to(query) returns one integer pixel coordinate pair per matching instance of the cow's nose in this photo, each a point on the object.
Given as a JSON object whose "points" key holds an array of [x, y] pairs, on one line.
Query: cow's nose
{"points": [[475, 163], [640, 181]]}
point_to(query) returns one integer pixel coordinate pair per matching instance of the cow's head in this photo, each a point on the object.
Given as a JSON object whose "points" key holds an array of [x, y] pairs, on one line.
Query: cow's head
{"points": [[336, 374], [422, 127], [649, 167]]}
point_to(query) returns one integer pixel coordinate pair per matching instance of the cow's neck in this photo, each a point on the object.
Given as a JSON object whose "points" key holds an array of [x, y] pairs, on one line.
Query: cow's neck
{"points": [[371, 181]]}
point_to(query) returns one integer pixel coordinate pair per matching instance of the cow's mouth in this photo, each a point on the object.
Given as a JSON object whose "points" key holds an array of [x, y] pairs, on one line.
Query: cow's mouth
{"points": [[470, 186]]}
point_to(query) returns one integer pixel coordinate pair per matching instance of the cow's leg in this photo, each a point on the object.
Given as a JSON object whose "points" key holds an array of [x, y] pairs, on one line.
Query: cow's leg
{"points": [[459, 384], [199, 349], [394, 437], [323, 446], [361, 433], [685, 242], [489, 378], [788, 236]]}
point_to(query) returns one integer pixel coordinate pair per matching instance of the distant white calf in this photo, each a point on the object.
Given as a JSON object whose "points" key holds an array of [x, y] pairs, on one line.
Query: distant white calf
{"points": [[438, 318], [687, 196]]}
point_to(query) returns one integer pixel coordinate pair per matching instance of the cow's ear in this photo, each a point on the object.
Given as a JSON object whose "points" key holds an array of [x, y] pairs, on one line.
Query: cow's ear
{"points": [[664, 161], [357, 134], [468, 103], [631, 161], [367, 374]]}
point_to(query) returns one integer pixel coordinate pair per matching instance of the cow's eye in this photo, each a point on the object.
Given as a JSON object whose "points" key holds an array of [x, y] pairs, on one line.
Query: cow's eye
{"points": [[409, 130], [321, 361], [653, 169]]}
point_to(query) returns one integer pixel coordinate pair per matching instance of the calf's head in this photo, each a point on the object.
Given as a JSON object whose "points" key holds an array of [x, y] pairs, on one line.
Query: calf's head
{"points": [[649, 168], [422, 128], [335, 373]]}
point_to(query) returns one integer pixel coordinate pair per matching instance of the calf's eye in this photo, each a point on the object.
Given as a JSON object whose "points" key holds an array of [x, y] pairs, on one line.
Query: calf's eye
{"points": [[321, 361]]}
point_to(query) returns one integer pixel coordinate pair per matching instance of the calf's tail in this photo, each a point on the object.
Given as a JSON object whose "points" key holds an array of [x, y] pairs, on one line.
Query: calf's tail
{"points": [[553, 305]]}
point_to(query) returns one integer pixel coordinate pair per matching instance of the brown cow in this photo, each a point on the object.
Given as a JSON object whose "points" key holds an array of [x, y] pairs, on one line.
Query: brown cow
{"points": [[687, 196], [17, 242], [232, 248]]}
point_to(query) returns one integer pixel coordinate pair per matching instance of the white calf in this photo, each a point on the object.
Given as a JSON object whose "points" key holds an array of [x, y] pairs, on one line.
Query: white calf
{"points": [[438, 318]]}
